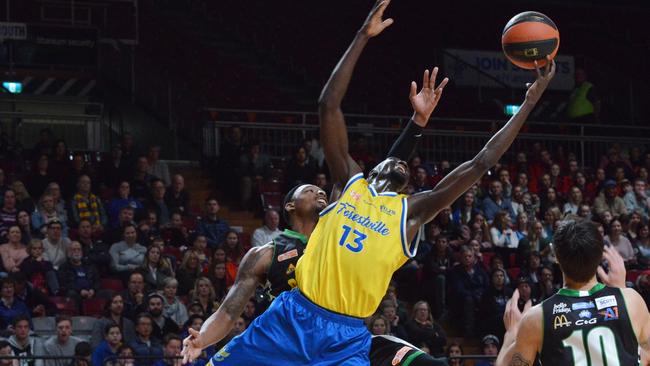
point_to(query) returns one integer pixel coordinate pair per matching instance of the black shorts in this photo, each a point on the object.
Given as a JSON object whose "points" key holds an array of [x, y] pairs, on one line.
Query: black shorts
{"points": [[391, 351]]}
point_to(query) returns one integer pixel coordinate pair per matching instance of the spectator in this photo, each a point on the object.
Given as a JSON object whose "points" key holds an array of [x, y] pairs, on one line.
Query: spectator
{"points": [[129, 152], [145, 345], [141, 180], [642, 242], [454, 350], [436, 267], [448, 227], [23, 344], [466, 210], [13, 252], [107, 348], [3, 183], [607, 200], [301, 169], [95, 252], [638, 200], [521, 229], [550, 199], [25, 223], [156, 268], [217, 275], [252, 169], [234, 252], [551, 216], [124, 357], [127, 254], [493, 304], [175, 232], [574, 202], [161, 324], [124, 218], [8, 213], [204, 294], [54, 190], [78, 279], [171, 351], [211, 225], [134, 296], [633, 225], [176, 197], [173, 308], [38, 303], [490, 345], [388, 310], [157, 202], [495, 202], [420, 182], [265, 234], [47, 212], [79, 169], [40, 177], [467, 284], [112, 171], [532, 271], [39, 271], [585, 211], [55, 245], [7, 351], [584, 102], [525, 287], [504, 238], [547, 286], [23, 199], [85, 205], [122, 200], [188, 272], [422, 329], [61, 344], [559, 182], [10, 306], [517, 201], [620, 242], [379, 325], [158, 168], [479, 230], [113, 314]]}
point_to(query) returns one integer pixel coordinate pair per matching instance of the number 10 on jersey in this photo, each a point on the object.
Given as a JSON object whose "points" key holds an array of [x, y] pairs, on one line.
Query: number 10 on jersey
{"points": [[357, 244]]}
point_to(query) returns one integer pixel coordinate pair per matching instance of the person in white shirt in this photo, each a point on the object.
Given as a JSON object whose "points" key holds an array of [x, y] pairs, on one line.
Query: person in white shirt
{"points": [[575, 200], [265, 234]]}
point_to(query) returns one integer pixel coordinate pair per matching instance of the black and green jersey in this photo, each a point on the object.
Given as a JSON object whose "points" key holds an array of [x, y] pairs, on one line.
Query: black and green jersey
{"points": [[588, 328], [287, 249]]}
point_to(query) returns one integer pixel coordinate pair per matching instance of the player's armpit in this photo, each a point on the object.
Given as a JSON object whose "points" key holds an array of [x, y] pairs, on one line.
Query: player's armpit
{"points": [[519, 360]]}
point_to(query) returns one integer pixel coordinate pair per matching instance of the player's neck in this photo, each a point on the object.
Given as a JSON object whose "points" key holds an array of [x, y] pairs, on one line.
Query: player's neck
{"points": [[580, 286], [305, 227]]}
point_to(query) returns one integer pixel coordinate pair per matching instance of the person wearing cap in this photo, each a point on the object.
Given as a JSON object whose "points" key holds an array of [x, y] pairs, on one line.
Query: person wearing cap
{"points": [[607, 200], [490, 344], [525, 287]]}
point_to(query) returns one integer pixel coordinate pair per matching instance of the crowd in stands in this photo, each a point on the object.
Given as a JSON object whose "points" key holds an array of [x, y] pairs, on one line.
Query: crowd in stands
{"points": [[116, 239]]}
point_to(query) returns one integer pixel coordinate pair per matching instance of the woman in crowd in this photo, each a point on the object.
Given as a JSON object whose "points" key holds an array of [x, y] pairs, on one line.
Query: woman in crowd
{"points": [[551, 216], [46, 213], [622, 244], [494, 304], [642, 243], [573, 203], [635, 220], [24, 222], [23, 200], [124, 354], [234, 253], [453, 350], [188, 272], [466, 210], [200, 246], [550, 199], [107, 349], [504, 238], [217, 275], [127, 254], [204, 294], [522, 226], [156, 268], [14, 251], [388, 310], [533, 242], [113, 314], [173, 308], [378, 325], [422, 329], [40, 272], [480, 231]]}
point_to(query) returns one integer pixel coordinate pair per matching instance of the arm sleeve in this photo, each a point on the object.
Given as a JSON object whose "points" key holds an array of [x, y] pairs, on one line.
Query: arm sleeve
{"points": [[407, 141]]}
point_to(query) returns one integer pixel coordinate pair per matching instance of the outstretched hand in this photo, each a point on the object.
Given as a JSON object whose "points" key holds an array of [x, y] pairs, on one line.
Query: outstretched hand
{"points": [[192, 346], [374, 23], [616, 275], [536, 89], [426, 100], [512, 316]]}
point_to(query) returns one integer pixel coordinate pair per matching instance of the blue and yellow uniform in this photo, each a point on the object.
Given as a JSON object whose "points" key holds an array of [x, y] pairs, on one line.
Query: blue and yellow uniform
{"points": [[360, 240]]}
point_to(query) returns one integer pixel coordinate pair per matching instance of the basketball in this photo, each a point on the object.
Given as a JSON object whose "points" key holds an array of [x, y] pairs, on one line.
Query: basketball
{"points": [[528, 37]]}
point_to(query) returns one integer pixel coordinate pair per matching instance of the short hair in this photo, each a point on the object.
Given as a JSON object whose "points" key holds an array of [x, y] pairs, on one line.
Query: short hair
{"points": [[171, 337], [579, 249], [143, 315], [4, 344], [18, 318], [62, 318], [288, 198], [83, 349], [110, 326]]}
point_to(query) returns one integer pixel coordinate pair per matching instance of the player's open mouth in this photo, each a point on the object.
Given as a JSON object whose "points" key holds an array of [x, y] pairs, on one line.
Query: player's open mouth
{"points": [[401, 168], [322, 201]]}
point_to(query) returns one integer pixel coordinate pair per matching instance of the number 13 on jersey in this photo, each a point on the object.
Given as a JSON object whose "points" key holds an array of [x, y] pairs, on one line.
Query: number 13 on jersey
{"points": [[357, 244]]}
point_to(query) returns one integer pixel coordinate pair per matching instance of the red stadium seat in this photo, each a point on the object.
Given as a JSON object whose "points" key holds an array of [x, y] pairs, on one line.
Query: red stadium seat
{"points": [[632, 275], [487, 257], [173, 252], [513, 273], [245, 239], [190, 223], [513, 259], [272, 200], [93, 307], [65, 305], [271, 187], [112, 284]]}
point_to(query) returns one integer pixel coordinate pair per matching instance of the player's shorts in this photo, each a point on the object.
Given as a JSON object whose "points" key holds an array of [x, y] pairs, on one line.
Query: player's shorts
{"points": [[392, 351], [295, 331]]}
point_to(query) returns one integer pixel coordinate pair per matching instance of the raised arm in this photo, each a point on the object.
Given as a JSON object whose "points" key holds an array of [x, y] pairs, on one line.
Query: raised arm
{"points": [[252, 270], [334, 134], [423, 207]]}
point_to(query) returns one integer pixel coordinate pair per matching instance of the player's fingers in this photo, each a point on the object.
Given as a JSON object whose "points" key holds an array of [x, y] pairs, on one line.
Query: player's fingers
{"points": [[414, 90], [553, 67], [432, 79], [537, 70], [529, 304], [425, 79], [193, 332], [387, 23], [442, 85], [382, 7], [601, 273]]}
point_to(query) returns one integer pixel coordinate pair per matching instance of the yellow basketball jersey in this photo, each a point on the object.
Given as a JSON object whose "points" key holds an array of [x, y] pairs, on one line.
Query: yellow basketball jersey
{"points": [[360, 240]]}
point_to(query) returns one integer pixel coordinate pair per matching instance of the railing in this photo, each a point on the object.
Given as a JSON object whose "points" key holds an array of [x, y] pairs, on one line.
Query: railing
{"points": [[455, 140]]}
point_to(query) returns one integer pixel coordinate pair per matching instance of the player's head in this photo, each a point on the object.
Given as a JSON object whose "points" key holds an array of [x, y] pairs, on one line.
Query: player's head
{"points": [[304, 200], [391, 175], [579, 249]]}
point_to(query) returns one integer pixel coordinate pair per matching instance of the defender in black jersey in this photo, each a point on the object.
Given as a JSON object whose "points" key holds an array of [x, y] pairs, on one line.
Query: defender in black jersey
{"points": [[586, 323]]}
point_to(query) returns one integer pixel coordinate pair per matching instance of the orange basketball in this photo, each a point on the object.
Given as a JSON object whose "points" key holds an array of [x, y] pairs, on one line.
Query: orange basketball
{"points": [[530, 36]]}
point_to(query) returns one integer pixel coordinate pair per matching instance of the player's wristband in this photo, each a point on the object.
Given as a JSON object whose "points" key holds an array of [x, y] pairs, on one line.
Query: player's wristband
{"points": [[407, 141]]}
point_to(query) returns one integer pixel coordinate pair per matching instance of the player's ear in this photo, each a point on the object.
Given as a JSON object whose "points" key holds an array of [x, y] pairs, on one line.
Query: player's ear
{"points": [[289, 207]]}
